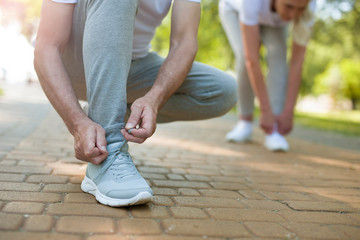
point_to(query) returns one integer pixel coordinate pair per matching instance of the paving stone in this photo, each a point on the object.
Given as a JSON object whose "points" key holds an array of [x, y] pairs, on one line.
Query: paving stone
{"points": [[207, 202], [153, 170], [356, 217], [321, 206], [153, 176], [62, 188], [10, 221], [187, 192], [181, 184], [139, 226], [39, 223], [16, 186], [317, 217], [287, 196], [86, 224], [24, 207], [85, 209], [149, 211], [208, 228], [79, 198], [46, 179], [165, 191], [25, 169], [175, 238], [268, 229], [107, 237], [162, 201], [201, 178], [31, 163], [37, 236], [229, 186], [229, 179], [8, 162], [264, 204], [29, 196], [76, 179], [11, 177], [314, 231], [244, 215], [351, 232], [220, 193], [250, 194], [173, 176], [188, 212]]}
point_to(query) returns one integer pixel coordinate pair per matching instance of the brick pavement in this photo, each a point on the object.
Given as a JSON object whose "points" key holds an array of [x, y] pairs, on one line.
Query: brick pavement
{"points": [[204, 187]]}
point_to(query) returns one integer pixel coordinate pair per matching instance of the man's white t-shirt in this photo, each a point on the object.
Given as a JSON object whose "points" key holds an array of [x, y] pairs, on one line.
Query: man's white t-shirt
{"points": [[253, 12], [149, 16]]}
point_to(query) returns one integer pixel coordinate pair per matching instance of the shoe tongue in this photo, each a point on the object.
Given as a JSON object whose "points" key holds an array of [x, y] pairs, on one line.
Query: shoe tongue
{"points": [[121, 159]]}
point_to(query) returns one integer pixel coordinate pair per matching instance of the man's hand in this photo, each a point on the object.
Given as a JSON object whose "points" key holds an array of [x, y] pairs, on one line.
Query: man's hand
{"points": [[285, 122], [267, 121], [143, 114], [90, 142]]}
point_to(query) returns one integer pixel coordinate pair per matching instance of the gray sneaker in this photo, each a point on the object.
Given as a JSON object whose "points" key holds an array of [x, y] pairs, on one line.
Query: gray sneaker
{"points": [[120, 184]]}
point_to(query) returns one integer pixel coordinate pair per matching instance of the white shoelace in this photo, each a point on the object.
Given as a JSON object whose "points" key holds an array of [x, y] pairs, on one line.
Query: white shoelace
{"points": [[123, 167]]}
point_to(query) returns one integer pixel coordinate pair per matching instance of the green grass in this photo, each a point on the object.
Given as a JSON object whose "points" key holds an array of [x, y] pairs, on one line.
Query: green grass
{"points": [[347, 123], [344, 122]]}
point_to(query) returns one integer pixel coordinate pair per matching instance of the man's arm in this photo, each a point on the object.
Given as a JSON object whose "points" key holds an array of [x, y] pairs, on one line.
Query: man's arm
{"points": [[285, 119], [53, 35], [183, 47], [251, 41]]}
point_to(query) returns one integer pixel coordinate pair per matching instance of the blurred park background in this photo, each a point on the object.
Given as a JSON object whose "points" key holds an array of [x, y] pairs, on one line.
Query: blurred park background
{"points": [[330, 90]]}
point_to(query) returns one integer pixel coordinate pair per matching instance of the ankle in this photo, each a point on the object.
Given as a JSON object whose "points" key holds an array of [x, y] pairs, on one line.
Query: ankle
{"points": [[248, 118]]}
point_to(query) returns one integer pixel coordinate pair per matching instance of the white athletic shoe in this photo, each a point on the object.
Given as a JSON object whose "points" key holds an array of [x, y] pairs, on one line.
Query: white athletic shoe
{"points": [[276, 142], [241, 132], [118, 185]]}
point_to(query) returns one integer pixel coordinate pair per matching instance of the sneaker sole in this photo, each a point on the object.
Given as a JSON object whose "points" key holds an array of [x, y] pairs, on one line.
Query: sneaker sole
{"points": [[246, 140], [88, 186], [277, 149]]}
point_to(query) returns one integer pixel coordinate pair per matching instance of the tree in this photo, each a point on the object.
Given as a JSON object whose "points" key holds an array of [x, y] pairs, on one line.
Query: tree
{"points": [[350, 84], [340, 81], [214, 48], [334, 39]]}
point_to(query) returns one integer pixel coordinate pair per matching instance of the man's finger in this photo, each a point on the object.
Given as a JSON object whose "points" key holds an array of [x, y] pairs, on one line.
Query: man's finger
{"points": [[132, 138], [134, 118], [99, 159], [140, 133], [101, 141]]}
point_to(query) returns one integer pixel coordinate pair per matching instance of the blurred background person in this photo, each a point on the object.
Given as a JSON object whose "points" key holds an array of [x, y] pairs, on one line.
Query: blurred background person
{"points": [[247, 26]]}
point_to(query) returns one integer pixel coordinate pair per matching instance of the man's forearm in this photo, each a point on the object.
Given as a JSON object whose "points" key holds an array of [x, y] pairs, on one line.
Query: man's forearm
{"points": [[57, 86], [173, 72]]}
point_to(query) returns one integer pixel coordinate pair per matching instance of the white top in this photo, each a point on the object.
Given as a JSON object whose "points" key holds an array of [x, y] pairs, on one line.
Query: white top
{"points": [[259, 12], [149, 16]]}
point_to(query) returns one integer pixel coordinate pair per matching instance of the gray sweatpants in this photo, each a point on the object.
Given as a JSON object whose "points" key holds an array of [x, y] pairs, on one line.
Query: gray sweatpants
{"points": [[99, 62], [274, 39]]}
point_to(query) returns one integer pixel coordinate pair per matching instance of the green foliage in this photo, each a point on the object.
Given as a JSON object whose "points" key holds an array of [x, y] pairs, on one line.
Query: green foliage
{"points": [[347, 123], [333, 40], [340, 81], [350, 85], [214, 48], [328, 82]]}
